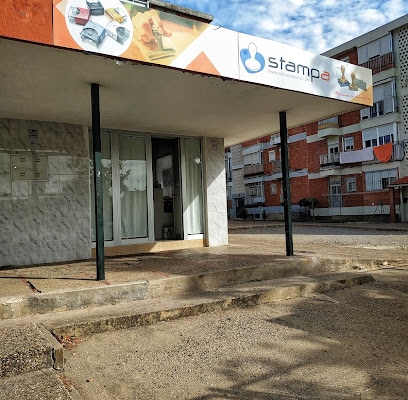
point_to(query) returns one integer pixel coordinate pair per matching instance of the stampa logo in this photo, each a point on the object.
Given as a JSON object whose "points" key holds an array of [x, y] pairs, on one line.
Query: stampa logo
{"points": [[252, 60]]}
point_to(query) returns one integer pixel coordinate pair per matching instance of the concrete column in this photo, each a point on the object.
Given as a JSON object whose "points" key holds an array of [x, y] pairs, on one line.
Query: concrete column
{"points": [[97, 160], [393, 216]]}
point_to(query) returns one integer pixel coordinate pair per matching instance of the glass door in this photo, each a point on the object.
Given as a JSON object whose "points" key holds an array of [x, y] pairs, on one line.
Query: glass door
{"points": [[125, 195], [107, 188], [132, 190]]}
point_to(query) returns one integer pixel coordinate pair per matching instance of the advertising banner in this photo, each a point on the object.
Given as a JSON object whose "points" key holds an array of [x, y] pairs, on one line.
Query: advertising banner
{"points": [[124, 29]]}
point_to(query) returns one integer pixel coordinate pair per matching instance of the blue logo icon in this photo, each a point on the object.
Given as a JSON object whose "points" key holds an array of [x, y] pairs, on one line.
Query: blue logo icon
{"points": [[252, 60]]}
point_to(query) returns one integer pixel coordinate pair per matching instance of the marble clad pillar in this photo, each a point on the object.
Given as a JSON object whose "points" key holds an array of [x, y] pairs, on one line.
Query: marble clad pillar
{"points": [[44, 218], [215, 192]]}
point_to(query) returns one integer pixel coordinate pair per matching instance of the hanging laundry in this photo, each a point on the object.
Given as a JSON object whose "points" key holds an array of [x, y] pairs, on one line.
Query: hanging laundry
{"points": [[383, 152]]}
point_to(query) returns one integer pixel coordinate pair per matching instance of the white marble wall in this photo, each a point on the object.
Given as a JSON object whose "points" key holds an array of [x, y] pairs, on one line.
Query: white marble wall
{"points": [[44, 221], [216, 197]]}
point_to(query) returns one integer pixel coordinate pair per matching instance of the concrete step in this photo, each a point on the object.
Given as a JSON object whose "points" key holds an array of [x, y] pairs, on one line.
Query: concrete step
{"points": [[81, 323], [76, 297]]}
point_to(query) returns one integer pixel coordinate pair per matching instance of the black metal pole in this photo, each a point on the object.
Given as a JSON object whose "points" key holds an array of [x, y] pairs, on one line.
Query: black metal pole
{"points": [[97, 163], [286, 183]]}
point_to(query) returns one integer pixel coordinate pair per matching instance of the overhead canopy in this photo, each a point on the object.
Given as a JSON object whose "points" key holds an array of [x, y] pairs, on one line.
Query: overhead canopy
{"points": [[50, 84], [399, 182], [191, 79]]}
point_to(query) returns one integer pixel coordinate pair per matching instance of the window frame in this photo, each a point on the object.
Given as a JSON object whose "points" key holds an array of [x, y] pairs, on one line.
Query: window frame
{"points": [[351, 184], [349, 147]]}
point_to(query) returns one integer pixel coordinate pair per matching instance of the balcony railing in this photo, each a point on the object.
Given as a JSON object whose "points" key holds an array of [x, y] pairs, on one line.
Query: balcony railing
{"points": [[255, 169], [381, 107], [250, 201], [327, 160], [398, 151], [328, 122], [276, 166], [380, 62]]}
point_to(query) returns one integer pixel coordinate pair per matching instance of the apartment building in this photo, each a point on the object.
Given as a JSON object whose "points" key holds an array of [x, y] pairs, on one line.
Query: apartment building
{"points": [[352, 166]]}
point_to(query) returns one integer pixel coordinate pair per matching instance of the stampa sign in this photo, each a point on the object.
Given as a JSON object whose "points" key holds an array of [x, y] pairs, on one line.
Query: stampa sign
{"points": [[275, 64]]}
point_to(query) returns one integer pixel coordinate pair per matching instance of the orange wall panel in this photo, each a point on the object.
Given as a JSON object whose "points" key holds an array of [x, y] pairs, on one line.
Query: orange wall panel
{"points": [[29, 20]]}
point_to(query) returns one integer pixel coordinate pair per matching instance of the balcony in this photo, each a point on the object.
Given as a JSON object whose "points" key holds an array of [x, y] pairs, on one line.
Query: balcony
{"points": [[380, 63], [328, 127], [330, 160], [397, 151], [256, 169], [379, 108], [275, 139], [324, 123], [276, 166], [252, 201], [329, 164]]}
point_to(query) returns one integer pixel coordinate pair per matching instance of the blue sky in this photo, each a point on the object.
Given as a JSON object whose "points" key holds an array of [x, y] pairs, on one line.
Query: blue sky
{"points": [[315, 26]]}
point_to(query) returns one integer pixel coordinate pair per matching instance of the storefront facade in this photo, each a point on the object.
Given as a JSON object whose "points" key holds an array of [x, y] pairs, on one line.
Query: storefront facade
{"points": [[155, 190], [166, 114]]}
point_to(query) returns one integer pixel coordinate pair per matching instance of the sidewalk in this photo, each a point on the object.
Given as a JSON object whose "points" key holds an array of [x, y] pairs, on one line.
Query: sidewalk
{"points": [[386, 226]]}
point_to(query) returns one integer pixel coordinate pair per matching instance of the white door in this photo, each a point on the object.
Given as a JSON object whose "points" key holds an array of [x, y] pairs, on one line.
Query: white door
{"points": [[335, 194]]}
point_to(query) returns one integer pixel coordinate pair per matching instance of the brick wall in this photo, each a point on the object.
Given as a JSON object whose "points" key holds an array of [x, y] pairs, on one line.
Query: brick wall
{"points": [[350, 118], [315, 150], [298, 156], [318, 189], [272, 199], [299, 188]]}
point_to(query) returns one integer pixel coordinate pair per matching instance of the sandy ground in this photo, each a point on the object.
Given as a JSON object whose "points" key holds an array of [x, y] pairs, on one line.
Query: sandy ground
{"points": [[349, 344], [325, 241]]}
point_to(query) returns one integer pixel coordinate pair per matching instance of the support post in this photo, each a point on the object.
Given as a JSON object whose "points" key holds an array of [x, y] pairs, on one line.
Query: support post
{"points": [[286, 183], [97, 164], [393, 216]]}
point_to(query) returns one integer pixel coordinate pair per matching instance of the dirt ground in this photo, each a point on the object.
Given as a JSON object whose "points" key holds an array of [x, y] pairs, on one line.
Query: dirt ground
{"points": [[348, 344]]}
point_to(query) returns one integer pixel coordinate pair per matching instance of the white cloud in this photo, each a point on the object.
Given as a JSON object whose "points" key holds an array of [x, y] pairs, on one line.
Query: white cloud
{"points": [[309, 24]]}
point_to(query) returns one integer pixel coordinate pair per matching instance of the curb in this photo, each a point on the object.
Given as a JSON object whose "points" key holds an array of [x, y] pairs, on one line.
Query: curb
{"points": [[28, 348], [44, 303]]}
